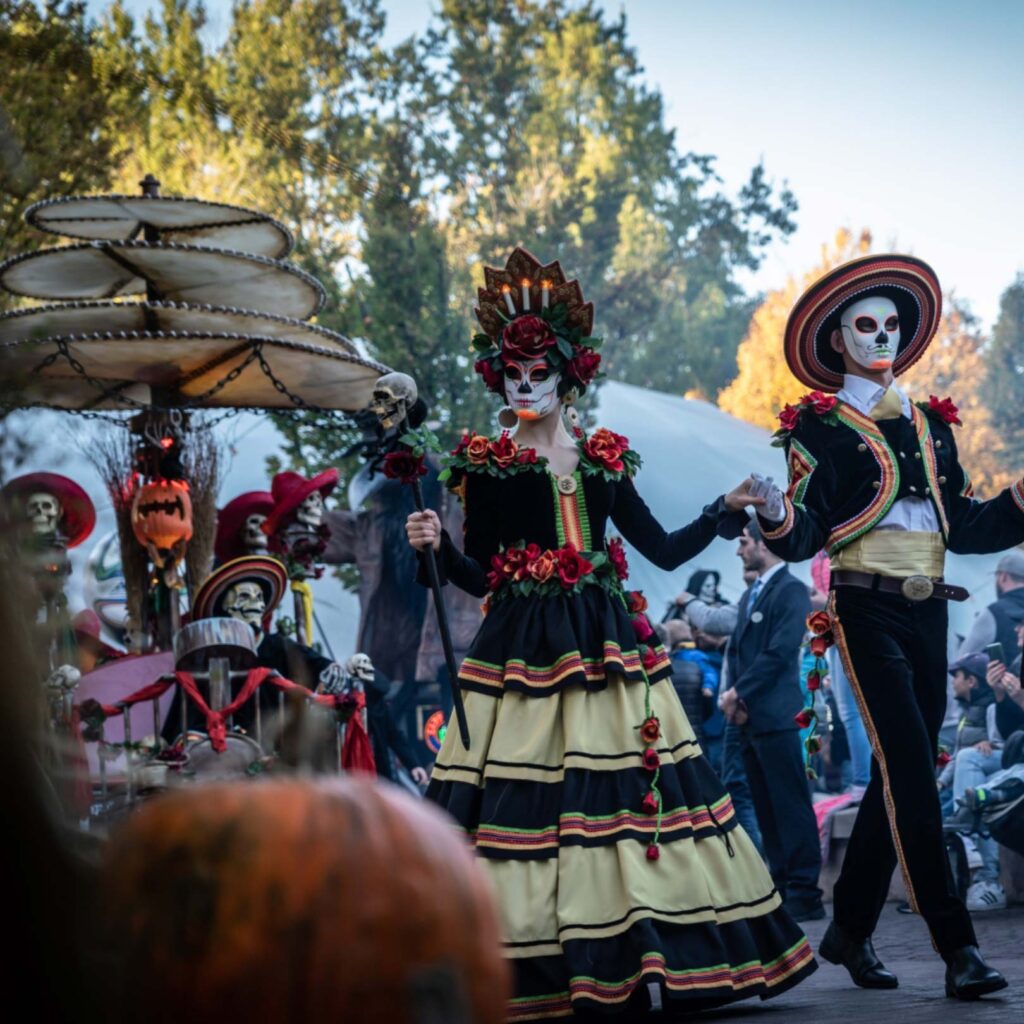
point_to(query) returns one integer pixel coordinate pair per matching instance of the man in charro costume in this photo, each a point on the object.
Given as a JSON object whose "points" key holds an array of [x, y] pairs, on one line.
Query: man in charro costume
{"points": [[876, 481]]}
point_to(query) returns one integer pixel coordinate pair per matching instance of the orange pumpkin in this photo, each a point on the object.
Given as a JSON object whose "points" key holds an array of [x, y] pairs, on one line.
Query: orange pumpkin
{"points": [[162, 514], [300, 901]]}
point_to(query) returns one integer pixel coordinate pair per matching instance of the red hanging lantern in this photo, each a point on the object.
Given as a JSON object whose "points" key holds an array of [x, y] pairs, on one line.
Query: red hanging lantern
{"points": [[162, 514]]}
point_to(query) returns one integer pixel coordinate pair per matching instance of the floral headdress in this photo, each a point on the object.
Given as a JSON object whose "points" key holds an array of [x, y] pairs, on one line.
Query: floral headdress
{"points": [[529, 311]]}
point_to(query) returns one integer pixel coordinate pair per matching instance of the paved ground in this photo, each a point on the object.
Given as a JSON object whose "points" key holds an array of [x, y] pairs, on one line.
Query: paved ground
{"points": [[828, 996]]}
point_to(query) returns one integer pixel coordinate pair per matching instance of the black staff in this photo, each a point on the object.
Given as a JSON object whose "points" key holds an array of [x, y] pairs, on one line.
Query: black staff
{"points": [[393, 395]]}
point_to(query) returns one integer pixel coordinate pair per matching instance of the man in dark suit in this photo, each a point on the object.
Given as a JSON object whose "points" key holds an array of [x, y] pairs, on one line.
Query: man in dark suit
{"points": [[764, 669]]}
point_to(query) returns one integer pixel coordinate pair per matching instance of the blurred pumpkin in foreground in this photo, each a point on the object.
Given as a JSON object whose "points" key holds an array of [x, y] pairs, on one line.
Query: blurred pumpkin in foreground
{"points": [[297, 901]]}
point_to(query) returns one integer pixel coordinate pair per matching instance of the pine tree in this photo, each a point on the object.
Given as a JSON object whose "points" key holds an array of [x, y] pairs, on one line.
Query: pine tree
{"points": [[1004, 380]]}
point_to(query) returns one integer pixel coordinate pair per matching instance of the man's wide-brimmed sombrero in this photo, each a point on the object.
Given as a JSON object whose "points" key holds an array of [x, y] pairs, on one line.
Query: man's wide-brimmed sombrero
{"points": [[909, 282], [290, 490], [78, 515], [268, 572], [231, 518]]}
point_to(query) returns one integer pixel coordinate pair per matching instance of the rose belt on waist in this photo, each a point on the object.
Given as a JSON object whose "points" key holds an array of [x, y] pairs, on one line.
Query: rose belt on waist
{"points": [[913, 588]]}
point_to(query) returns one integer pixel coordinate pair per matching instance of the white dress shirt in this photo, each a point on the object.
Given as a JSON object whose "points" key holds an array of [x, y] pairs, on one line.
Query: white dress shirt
{"points": [[907, 513]]}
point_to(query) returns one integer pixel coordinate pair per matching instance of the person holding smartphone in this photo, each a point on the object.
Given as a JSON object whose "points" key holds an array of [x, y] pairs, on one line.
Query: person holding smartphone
{"points": [[1006, 686]]}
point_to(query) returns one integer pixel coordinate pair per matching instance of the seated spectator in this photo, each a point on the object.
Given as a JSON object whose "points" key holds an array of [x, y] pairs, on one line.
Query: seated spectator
{"points": [[978, 755]]}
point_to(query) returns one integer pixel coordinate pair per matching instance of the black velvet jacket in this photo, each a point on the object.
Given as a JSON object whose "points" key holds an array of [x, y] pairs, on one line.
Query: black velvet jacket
{"points": [[846, 470], [522, 509]]}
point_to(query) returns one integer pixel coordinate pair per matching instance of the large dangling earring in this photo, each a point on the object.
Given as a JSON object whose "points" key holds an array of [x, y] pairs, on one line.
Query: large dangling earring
{"points": [[507, 417], [569, 413]]}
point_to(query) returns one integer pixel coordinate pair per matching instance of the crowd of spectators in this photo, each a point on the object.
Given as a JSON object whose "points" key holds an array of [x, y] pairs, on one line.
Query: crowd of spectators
{"points": [[741, 670]]}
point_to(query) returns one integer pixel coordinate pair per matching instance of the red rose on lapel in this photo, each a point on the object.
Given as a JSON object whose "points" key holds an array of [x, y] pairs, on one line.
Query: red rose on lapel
{"points": [[945, 408]]}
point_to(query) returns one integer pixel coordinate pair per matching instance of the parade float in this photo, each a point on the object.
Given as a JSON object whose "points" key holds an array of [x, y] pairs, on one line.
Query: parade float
{"points": [[162, 316]]}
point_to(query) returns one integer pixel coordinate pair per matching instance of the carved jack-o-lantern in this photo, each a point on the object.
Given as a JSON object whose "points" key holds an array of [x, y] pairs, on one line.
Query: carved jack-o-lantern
{"points": [[162, 514]]}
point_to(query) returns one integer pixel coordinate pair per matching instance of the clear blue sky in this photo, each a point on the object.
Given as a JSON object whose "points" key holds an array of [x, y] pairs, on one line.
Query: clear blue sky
{"points": [[905, 116]]}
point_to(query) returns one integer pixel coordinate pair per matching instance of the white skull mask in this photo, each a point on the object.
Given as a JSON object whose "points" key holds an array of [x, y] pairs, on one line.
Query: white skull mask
{"points": [[531, 387], [360, 666], [254, 540], [311, 512], [43, 511], [245, 601], [871, 332]]}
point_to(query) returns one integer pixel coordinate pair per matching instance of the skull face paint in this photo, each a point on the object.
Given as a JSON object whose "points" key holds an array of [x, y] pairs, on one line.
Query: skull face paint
{"points": [[43, 511], [254, 540], [311, 511], [871, 332], [245, 601], [531, 388], [708, 590]]}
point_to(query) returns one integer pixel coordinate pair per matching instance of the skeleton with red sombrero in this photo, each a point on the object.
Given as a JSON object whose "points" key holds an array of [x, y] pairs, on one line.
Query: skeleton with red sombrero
{"points": [[299, 535], [240, 526], [51, 514], [875, 480]]}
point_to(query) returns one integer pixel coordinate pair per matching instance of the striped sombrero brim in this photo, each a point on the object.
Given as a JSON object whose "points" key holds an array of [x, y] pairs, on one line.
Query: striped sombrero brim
{"points": [[909, 282], [268, 572]]}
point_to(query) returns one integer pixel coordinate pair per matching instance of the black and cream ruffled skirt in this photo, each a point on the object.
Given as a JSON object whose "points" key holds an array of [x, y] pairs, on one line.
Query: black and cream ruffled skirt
{"points": [[612, 846]]}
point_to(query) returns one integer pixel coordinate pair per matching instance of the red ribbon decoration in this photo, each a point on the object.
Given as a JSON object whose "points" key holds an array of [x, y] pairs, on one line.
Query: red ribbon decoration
{"points": [[356, 751]]}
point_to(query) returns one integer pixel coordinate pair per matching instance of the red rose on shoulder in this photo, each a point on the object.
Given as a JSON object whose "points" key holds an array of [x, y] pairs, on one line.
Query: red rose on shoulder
{"points": [[526, 457], [945, 408], [819, 402], [605, 447], [617, 556], [493, 380], [463, 443], [526, 337], [503, 451], [788, 417], [584, 365]]}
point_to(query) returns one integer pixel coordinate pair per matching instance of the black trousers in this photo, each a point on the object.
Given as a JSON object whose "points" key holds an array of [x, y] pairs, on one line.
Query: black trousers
{"points": [[894, 652], [782, 801]]}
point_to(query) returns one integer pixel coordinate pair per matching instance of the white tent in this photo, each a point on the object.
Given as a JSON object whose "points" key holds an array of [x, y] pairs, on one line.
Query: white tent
{"points": [[692, 452]]}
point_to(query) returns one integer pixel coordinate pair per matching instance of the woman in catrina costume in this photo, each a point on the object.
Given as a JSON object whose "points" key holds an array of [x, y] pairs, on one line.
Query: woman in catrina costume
{"points": [[623, 880]]}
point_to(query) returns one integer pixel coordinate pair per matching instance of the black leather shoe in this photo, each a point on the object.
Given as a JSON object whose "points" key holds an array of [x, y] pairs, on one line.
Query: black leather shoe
{"points": [[969, 977], [858, 957]]}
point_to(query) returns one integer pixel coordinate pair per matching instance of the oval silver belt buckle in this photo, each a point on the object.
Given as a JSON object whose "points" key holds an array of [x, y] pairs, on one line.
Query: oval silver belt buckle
{"points": [[917, 588]]}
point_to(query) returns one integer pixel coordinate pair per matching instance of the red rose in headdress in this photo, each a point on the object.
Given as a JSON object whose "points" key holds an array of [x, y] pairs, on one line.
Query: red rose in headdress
{"points": [[527, 337], [945, 408], [584, 365], [492, 378]]}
